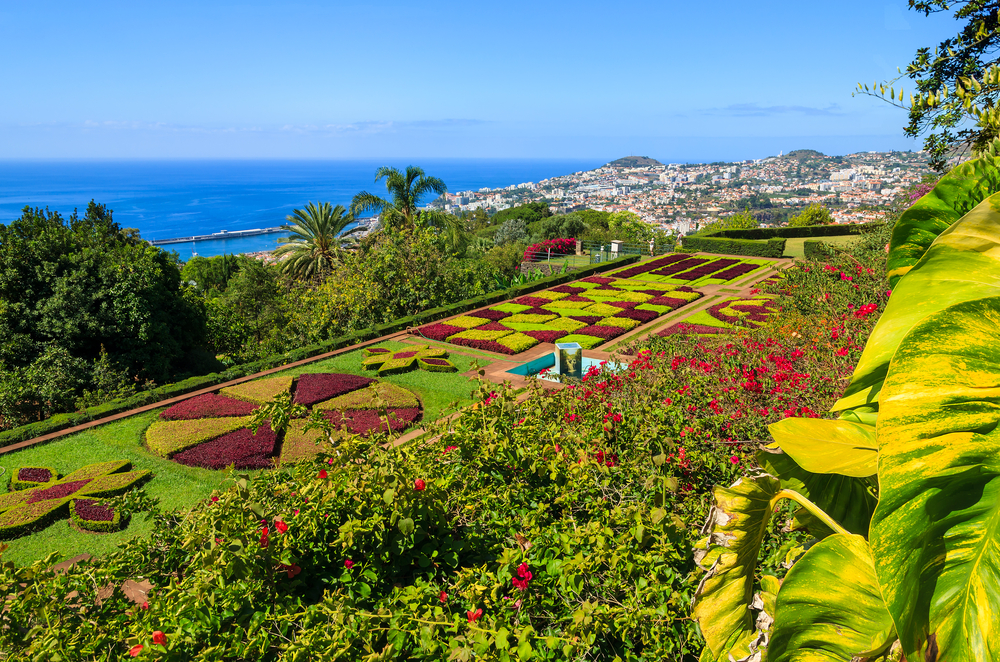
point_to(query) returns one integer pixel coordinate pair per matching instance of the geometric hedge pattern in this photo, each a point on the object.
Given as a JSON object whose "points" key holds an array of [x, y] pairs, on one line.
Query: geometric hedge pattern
{"points": [[211, 431], [388, 362], [32, 508], [590, 311]]}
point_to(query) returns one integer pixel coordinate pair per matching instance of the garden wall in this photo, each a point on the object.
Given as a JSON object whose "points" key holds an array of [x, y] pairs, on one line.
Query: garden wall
{"points": [[62, 421]]}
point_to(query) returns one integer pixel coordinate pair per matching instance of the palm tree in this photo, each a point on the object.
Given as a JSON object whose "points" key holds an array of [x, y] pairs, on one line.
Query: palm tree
{"points": [[318, 239], [405, 191]]}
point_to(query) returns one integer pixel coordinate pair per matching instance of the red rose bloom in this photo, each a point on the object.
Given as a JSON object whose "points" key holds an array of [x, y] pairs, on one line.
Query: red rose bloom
{"points": [[322, 473], [419, 485]]}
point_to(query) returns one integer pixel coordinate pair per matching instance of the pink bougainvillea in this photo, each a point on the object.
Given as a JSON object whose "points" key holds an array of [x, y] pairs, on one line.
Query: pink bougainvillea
{"points": [[209, 405], [543, 249]]}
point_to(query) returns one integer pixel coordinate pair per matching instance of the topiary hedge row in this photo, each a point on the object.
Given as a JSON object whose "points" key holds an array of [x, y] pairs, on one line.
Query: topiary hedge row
{"points": [[774, 247], [167, 391], [792, 233]]}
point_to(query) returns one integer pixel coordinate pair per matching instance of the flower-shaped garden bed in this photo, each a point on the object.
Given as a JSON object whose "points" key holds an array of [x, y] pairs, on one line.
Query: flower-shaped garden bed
{"points": [[211, 431], [30, 508], [388, 362], [726, 316], [590, 311]]}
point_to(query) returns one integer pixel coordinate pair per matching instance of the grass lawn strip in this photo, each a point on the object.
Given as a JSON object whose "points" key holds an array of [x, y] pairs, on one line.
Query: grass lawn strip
{"points": [[259, 390], [168, 437]]}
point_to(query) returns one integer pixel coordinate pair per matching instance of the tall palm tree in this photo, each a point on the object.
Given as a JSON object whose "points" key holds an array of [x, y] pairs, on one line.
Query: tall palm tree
{"points": [[405, 191], [318, 239]]}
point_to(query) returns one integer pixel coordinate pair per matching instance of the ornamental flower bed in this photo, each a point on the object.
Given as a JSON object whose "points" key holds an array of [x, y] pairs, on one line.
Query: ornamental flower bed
{"points": [[651, 265], [706, 269], [542, 250], [217, 442], [93, 515], [34, 508], [388, 362], [28, 477], [209, 405], [563, 311]]}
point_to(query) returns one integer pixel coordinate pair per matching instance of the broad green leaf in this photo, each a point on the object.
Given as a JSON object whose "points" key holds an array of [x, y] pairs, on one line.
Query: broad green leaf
{"points": [[406, 526], [849, 501], [964, 187], [963, 264], [829, 606], [936, 532], [735, 528], [827, 447]]}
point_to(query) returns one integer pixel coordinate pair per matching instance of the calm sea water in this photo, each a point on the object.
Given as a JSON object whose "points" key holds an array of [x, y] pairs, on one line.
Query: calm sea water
{"points": [[166, 199]]}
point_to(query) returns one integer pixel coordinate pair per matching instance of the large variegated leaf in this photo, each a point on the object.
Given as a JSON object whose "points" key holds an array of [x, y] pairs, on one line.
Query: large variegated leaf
{"points": [[830, 607], [735, 528], [962, 264], [827, 447], [964, 187], [936, 532], [849, 501]]}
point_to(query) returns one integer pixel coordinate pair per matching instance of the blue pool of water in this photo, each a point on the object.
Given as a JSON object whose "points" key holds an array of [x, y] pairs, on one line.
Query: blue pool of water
{"points": [[548, 362]]}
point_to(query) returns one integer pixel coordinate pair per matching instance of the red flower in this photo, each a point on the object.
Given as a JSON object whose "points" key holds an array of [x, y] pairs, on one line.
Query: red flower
{"points": [[215, 499], [135, 650], [159, 638], [443, 597], [842, 351], [474, 615], [348, 563], [263, 536], [735, 459], [145, 606], [419, 485], [322, 473], [280, 526], [290, 570], [524, 572], [329, 461], [520, 584]]}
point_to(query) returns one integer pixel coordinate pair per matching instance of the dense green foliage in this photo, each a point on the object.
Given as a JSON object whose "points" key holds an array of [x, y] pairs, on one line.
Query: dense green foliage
{"points": [[529, 213], [405, 189], [318, 237], [87, 307], [774, 247], [814, 214]]}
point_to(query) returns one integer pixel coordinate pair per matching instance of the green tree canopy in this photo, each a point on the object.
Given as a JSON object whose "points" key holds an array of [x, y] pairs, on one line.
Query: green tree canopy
{"points": [[628, 226], [529, 213], [814, 214], [81, 284], [957, 84], [318, 237], [405, 189]]}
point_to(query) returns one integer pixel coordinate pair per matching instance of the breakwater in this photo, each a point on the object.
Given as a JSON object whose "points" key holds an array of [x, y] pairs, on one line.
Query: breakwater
{"points": [[225, 234]]}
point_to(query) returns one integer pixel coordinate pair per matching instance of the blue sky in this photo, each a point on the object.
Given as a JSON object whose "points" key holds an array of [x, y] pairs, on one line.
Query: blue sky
{"points": [[673, 80]]}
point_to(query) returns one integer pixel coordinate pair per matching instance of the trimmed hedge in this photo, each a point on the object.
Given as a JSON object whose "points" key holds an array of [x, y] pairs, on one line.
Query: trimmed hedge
{"points": [[21, 482], [816, 250], [774, 247], [167, 391], [97, 525], [792, 233]]}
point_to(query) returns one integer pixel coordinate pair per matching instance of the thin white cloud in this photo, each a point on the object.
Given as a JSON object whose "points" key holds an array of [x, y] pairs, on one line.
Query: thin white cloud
{"points": [[756, 110]]}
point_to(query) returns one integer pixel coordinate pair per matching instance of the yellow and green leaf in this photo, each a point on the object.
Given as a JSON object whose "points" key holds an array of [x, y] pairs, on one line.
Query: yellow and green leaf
{"points": [[963, 264], [936, 532], [830, 607], [828, 447]]}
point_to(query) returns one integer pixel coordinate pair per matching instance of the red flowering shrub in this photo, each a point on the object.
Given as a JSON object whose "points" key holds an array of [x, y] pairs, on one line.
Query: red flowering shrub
{"points": [[241, 448], [313, 388], [542, 250], [209, 405]]}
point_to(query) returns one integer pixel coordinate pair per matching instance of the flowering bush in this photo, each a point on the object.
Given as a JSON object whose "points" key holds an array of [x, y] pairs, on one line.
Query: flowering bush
{"points": [[540, 251]]}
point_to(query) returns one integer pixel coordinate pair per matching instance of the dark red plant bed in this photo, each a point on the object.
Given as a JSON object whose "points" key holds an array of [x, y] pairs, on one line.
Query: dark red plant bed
{"points": [[209, 405], [597, 280], [545, 336], [57, 491], [490, 314], [538, 311], [568, 289], [606, 332], [586, 319], [627, 305], [736, 272], [313, 388], [438, 331], [368, 421], [492, 326], [669, 301], [443, 362], [487, 345], [575, 297], [92, 510], [641, 315], [34, 475], [651, 265], [242, 448], [534, 302]]}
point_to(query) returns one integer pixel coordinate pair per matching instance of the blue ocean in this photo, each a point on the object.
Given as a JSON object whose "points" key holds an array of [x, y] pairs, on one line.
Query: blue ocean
{"points": [[166, 199]]}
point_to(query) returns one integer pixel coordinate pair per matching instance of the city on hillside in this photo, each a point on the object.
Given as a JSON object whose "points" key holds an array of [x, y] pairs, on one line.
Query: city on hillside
{"points": [[680, 197]]}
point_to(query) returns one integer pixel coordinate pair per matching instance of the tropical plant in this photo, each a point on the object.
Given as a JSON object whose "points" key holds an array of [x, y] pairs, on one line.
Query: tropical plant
{"points": [[405, 189], [903, 512], [318, 238]]}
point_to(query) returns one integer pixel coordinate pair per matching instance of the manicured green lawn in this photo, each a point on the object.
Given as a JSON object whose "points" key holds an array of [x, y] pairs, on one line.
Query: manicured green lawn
{"points": [[175, 485], [795, 247]]}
